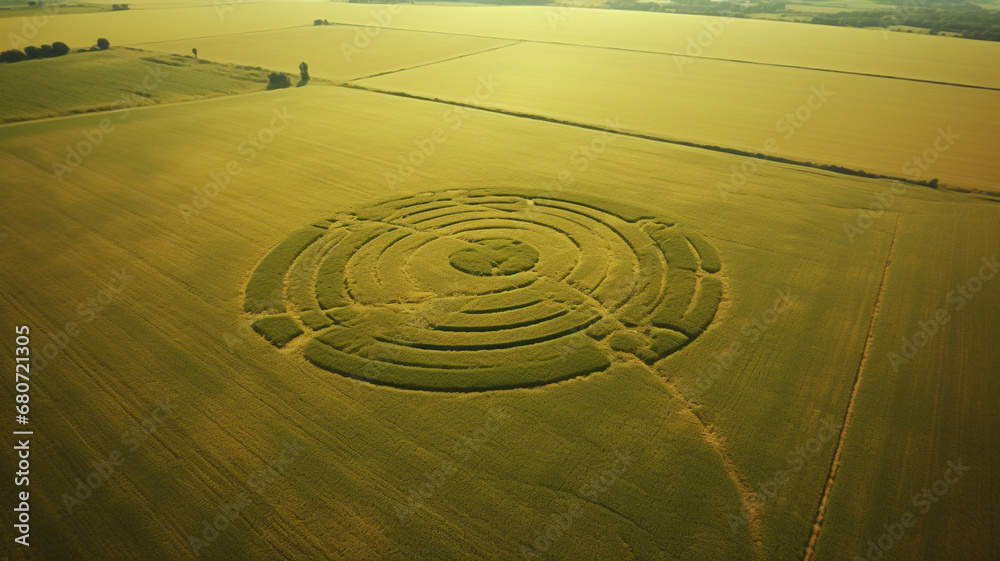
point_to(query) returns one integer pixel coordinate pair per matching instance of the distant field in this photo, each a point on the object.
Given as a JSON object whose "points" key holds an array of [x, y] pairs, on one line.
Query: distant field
{"points": [[322, 47], [115, 79], [861, 125], [22, 9], [855, 50]]}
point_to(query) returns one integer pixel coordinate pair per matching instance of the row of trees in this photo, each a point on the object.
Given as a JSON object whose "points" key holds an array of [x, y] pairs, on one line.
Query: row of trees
{"points": [[700, 7], [46, 51], [114, 7], [971, 22], [30, 52], [952, 16]]}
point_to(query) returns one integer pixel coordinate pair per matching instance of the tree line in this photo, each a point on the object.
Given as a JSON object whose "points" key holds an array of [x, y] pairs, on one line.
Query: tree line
{"points": [[951, 16], [47, 51], [971, 22]]}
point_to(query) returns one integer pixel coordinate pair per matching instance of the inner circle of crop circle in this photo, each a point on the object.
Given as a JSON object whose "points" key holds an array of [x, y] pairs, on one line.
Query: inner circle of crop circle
{"points": [[496, 256], [487, 289]]}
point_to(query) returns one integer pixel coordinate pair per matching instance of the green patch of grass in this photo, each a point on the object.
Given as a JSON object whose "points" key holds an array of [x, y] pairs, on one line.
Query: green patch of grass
{"points": [[278, 330], [698, 319], [114, 79], [163, 61], [385, 325], [495, 257], [575, 362], [506, 319], [264, 291], [502, 301], [634, 343], [315, 319], [706, 251], [627, 342], [330, 277], [664, 341], [681, 286], [675, 249], [601, 329]]}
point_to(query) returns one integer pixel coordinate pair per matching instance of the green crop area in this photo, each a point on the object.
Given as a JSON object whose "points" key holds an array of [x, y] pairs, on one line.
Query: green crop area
{"points": [[497, 282], [116, 80]]}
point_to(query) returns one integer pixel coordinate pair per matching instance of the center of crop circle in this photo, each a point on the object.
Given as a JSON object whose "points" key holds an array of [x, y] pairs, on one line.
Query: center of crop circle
{"points": [[495, 257]]}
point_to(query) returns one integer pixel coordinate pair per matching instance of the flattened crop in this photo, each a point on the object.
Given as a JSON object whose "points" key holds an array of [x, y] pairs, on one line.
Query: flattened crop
{"points": [[487, 289]]}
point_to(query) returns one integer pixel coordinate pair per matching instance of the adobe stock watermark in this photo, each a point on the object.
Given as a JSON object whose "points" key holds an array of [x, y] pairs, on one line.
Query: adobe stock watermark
{"points": [[224, 7], [462, 451], [249, 149], [454, 118], [31, 26], [751, 332], [796, 459], [923, 502], [557, 15], [584, 155], [131, 440], [547, 535], [363, 36], [958, 298], [258, 481], [788, 125], [914, 168], [94, 137], [697, 44], [88, 310]]}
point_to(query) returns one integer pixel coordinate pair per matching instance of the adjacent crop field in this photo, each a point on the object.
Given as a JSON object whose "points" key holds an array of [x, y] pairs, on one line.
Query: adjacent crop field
{"points": [[866, 51], [337, 52], [927, 401], [117, 79], [854, 50], [854, 121]]}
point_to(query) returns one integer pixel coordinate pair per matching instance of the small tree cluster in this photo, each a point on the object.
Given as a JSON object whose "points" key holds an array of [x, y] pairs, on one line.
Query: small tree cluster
{"points": [[277, 80], [320, 22], [13, 55], [304, 71], [30, 52], [119, 7]]}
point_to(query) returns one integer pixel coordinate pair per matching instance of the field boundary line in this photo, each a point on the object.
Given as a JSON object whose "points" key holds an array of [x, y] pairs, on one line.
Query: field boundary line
{"points": [[377, 74], [671, 53], [85, 114], [835, 465], [717, 443], [832, 168], [248, 32], [581, 45]]}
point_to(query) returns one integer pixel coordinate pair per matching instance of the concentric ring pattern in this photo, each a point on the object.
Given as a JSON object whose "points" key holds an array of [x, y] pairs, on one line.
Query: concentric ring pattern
{"points": [[485, 289]]}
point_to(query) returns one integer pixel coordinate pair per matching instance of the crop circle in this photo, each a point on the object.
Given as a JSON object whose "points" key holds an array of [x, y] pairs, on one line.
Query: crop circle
{"points": [[485, 290]]}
